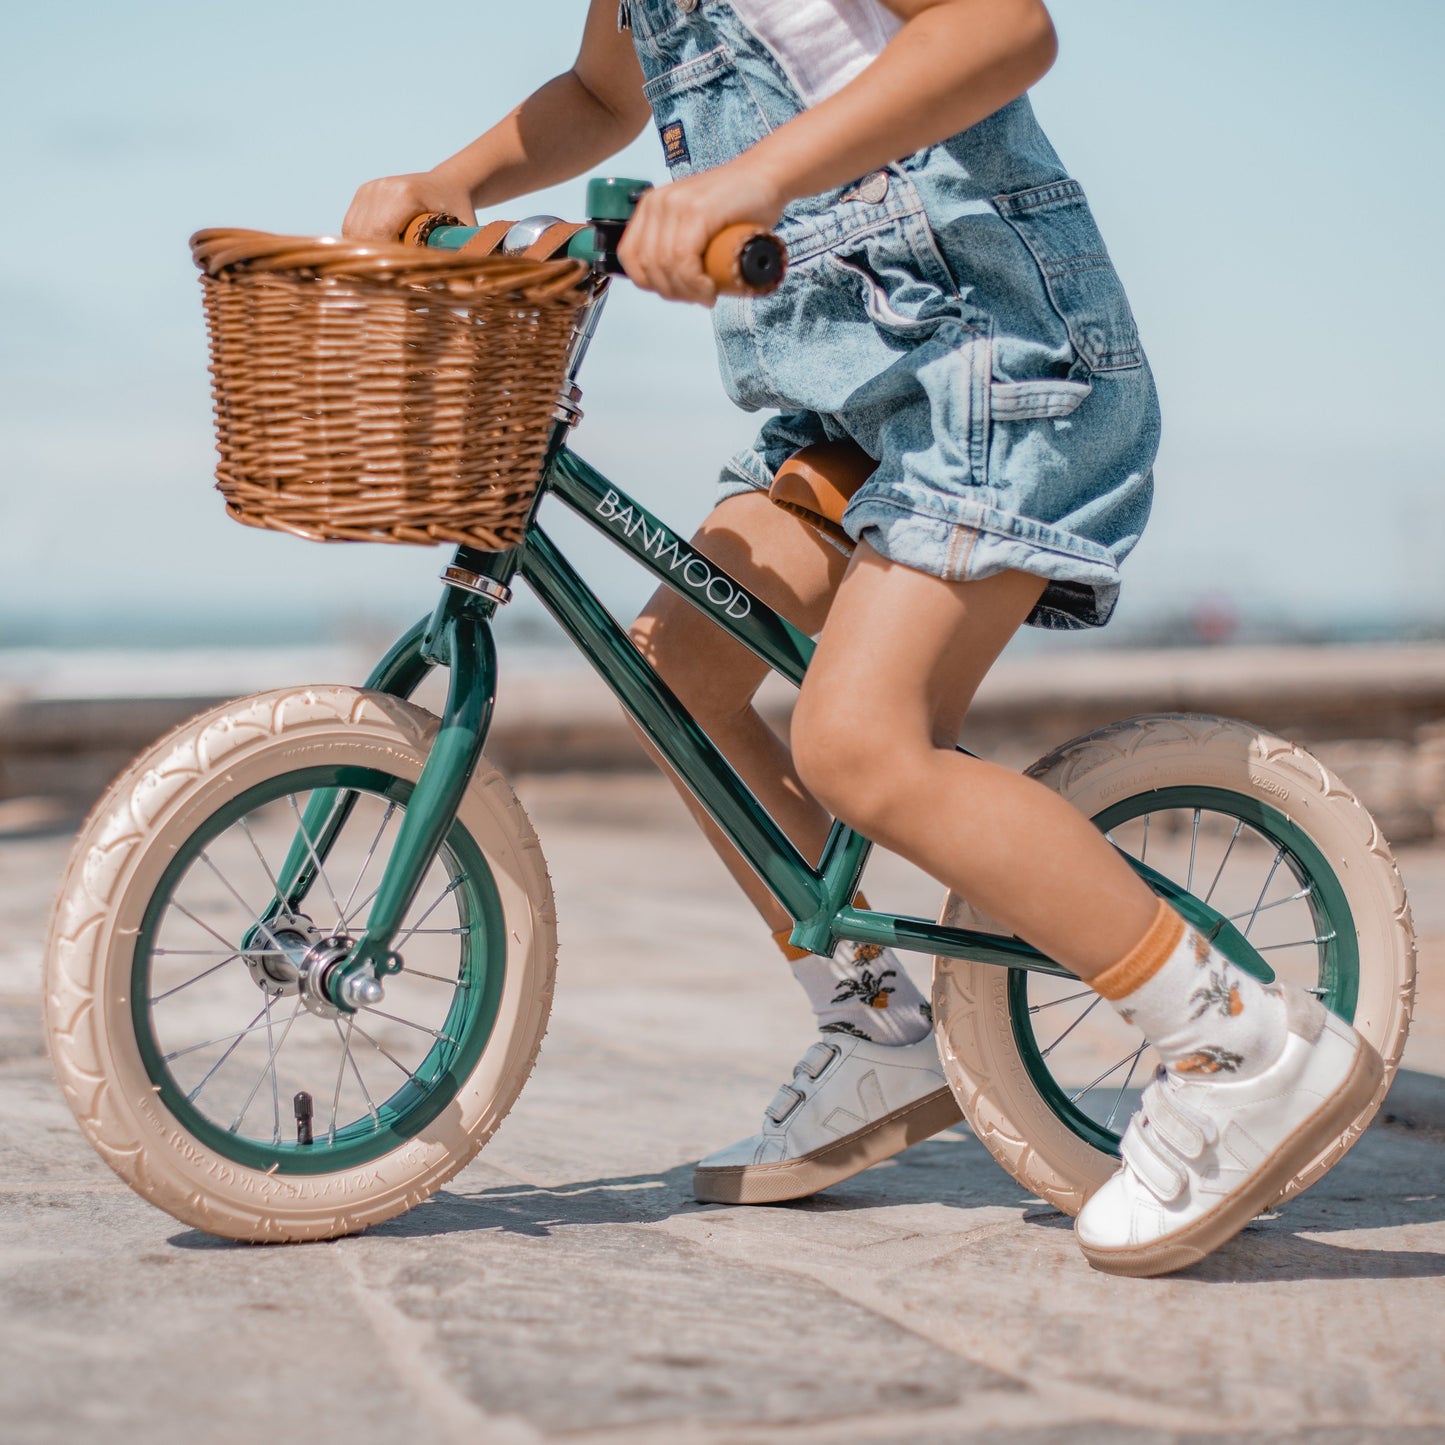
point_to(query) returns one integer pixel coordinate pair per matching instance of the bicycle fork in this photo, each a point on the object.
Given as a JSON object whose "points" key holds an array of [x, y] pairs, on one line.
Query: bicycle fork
{"points": [[458, 636]]}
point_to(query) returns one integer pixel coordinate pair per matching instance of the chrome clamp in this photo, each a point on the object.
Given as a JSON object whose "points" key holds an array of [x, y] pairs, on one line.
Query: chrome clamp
{"points": [[476, 583], [568, 411]]}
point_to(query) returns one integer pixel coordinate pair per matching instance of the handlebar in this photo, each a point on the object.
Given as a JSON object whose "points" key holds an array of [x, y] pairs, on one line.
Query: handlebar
{"points": [[740, 260]]}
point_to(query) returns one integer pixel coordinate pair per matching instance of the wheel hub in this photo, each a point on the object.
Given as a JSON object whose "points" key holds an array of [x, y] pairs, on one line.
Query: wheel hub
{"points": [[295, 957]]}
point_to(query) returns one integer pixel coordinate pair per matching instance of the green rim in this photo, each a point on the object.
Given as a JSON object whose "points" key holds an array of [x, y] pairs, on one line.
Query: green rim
{"points": [[1339, 970], [450, 1062]]}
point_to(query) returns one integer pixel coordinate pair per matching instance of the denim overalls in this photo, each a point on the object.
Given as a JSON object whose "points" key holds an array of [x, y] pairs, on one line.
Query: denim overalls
{"points": [[956, 314]]}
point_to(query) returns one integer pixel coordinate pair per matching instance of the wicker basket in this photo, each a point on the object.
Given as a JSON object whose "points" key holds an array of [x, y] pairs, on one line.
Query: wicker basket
{"points": [[381, 393]]}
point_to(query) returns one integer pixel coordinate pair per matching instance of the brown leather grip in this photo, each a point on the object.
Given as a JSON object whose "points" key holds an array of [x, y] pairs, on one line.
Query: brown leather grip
{"points": [[723, 261], [416, 230], [488, 239]]}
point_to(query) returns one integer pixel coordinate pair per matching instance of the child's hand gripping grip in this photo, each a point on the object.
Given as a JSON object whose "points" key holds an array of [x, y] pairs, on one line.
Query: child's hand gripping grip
{"points": [[741, 260], [746, 260]]}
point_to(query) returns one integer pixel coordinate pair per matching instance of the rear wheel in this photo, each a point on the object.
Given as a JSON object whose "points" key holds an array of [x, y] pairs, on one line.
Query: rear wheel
{"points": [[1046, 1072], [187, 1022]]}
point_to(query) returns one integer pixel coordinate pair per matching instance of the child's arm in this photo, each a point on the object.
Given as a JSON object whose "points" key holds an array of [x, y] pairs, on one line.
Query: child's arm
{"points": [[571, 124], [953, 63]]}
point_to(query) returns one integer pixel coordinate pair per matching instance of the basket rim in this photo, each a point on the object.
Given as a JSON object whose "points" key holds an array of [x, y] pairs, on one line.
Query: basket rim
{"points": [[229, 252]]}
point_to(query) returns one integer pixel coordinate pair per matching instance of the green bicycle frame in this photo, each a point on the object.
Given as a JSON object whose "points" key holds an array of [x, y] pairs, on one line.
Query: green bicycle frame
{"points": [[458, 635], [816, 896]]}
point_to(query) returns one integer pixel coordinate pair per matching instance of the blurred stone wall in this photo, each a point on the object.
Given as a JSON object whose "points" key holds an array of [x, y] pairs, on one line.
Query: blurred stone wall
{"points": [[1374, 715]]}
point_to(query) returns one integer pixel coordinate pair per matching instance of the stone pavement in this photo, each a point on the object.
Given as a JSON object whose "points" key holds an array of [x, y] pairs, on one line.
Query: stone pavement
{"points": [[566, 1287]]}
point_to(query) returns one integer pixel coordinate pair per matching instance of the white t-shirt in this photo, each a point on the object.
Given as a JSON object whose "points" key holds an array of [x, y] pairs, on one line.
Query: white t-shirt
{"points": [[821, 44]]}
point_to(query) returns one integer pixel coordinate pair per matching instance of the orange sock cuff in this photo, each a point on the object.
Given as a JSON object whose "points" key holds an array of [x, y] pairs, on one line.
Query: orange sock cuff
{"points": [[1144, 960], [792, 954]]}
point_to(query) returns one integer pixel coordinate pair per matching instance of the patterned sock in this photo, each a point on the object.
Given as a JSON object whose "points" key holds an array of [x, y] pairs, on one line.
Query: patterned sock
{"points": [[862, 990], [1202, 1014]]}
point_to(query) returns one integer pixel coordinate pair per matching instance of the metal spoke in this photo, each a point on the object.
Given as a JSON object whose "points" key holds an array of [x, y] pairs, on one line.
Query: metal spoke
{"points": [[209, 952], [420, 1028], [270, 1068], [1144, 850], [311, 849], [449, 889], [1301, 943], [256, 921], [1098, 999], [275, 1092], [1278, 903], [347, 1059], [192, 1048], [206, 973], [1274, 868], [1074, 1098], [1039, 1007], [195, 1093], [1193, 848], [346, 922], [370, 853], [181, 907], [385, 1053], [452, 932], [1124, 1087], [255, 848], [442, 978], [1234, 837]]}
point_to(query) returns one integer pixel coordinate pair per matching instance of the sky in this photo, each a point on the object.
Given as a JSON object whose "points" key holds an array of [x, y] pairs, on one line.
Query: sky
{"points": [[1265, 172]]}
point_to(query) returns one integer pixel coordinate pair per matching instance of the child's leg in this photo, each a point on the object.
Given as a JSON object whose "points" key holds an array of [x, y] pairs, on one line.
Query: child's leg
{"points": [[873, 733], [860, 991], [872, 1084], [790, 567], [1257, 1079]]}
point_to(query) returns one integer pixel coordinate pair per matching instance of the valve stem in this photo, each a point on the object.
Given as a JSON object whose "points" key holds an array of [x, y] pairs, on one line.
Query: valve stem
{"points": [[301, 1104]]}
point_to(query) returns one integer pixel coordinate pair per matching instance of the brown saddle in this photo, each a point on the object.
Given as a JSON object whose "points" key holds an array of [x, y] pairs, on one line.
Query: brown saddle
{"points": [[818, 482]]}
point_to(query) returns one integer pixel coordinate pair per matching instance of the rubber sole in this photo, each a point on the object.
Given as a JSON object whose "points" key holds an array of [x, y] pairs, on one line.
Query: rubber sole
{"points": [[807, 1174], [1189, 1245]]}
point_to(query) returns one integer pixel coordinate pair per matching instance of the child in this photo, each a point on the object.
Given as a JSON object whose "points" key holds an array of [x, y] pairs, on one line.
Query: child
{"points": [[952, 310]]}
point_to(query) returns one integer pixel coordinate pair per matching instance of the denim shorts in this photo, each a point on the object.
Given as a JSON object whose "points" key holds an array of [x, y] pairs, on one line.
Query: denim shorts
{"points": [[955, 314]]}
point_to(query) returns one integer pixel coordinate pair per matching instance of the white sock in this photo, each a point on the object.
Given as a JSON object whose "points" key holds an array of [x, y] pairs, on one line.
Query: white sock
{"points": [[862, 990], [1203, 1015]]}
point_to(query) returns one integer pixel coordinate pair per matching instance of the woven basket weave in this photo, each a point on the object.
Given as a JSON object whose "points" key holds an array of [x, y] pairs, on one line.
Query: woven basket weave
{"points": [[381, 393]]}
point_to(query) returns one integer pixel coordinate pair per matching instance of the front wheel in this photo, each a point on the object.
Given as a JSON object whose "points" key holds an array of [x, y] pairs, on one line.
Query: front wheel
{"points": [[1047, 1074], [200, 1064]]}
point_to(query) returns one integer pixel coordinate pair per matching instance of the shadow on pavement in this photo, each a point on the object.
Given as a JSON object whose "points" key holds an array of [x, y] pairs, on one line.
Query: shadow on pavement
{"points": [[1388, 1180], [1264, 1254], [954, 1171]]}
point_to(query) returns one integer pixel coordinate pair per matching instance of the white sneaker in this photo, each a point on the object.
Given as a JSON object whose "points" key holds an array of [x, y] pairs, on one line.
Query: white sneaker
{"points": [[1202, 1159], [851, 1102]]}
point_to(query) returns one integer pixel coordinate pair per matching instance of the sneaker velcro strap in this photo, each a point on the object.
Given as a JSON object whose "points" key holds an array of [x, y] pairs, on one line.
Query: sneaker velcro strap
{"points": [[784, 1102], [1164, 1179], [816, 1060], [1186, 1132]]}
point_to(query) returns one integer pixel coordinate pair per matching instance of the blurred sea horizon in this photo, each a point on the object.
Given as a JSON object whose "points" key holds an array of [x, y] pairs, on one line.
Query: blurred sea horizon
{"points": [[153, 652]]}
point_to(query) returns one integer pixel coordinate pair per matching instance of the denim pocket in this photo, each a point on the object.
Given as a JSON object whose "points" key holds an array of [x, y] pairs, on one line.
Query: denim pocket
{"points": [[1056, 225], [854, 273], [704, 111]]}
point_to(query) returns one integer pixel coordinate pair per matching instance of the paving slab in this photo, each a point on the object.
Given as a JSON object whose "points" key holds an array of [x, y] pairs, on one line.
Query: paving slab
{"points": [[566, 1287]]}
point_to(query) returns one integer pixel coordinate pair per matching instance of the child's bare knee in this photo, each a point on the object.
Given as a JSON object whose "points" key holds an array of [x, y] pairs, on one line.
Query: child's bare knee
{"points": [[839, 763]]}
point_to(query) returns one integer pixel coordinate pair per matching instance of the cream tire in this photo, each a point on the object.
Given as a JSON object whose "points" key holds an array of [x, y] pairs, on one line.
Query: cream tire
{"points": [[977, 1037], [114, 870]]}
